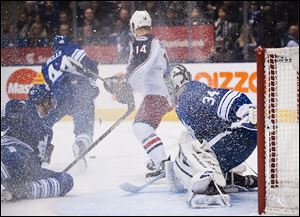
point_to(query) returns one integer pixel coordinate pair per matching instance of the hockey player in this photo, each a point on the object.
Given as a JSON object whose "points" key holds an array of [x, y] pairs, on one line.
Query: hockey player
{"points": [[23, 148], [147, 65], [74, 88], [221, 134]]}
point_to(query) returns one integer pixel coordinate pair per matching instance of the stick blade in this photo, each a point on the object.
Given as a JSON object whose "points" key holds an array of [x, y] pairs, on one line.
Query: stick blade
{"points": [[129, 188]]}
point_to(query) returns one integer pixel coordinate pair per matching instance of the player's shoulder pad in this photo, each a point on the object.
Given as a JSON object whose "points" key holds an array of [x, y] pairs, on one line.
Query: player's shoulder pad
{"points": [[196, 85], [70, 48]]}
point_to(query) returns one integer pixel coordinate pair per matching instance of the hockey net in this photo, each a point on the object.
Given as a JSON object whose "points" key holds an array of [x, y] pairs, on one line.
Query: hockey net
{"points": [[278, 130]]}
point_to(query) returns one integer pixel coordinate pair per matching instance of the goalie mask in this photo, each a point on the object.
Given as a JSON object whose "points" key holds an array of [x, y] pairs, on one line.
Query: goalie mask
{"points": [[179, 76], [139, 19]]}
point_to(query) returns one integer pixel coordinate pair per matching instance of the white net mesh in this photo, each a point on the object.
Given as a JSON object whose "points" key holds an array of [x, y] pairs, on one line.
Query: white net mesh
{"points": [[282, 131]]}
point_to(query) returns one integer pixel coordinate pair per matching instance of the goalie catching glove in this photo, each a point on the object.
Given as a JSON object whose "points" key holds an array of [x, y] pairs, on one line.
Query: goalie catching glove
{"points": [[122, 90]]}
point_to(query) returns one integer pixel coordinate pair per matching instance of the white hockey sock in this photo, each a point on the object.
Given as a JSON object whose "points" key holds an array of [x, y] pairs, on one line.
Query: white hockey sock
{"points": [[150, 141]]}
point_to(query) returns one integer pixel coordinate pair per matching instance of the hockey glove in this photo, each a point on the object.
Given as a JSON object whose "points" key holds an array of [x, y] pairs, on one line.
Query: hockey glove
{"points": [[124, 94], [247, 113], [122, 90]]}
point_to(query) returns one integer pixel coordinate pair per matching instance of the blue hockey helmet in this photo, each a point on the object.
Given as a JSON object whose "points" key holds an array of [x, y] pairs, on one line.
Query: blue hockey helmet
{"points": [[40, 93], [59, 41]]}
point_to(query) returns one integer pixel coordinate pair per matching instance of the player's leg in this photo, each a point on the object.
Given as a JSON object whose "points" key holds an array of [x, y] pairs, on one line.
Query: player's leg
{"points": [[52, 118], [83, 130], [24, 178], [146, 122], [234, 148]]}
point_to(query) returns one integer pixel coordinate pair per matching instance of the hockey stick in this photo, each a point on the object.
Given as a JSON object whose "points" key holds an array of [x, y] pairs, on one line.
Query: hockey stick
{"points": [[78, 64], [221, 194], [128, 112], [135, 189]]}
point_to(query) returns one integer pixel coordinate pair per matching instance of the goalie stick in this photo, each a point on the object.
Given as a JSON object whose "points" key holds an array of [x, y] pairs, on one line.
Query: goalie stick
{"points": [[135, 188]]}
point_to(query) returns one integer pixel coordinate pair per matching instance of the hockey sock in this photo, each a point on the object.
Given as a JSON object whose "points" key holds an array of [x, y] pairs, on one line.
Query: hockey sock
{"points": [[150, 142]]}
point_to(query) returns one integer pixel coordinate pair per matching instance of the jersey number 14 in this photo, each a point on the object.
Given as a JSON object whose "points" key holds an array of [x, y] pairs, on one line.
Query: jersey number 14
{"points": [[141, 49]]}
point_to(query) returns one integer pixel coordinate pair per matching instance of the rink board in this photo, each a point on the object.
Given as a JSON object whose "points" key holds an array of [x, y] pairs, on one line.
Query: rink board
{"points": [[235, 76]]}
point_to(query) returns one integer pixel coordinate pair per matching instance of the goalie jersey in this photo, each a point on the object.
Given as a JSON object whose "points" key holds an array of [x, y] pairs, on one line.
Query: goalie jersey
{"points": [[147, 64], [208, 111]]}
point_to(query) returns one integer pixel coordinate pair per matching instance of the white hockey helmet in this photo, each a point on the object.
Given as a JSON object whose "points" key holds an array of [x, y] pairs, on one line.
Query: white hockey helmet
{"points": [[139, 19], [179, 75]]}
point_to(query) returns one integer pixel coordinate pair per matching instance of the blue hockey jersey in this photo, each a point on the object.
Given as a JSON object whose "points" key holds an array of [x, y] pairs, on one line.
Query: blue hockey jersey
{"points": [[65, 79], [208, 111], [22, 121]]}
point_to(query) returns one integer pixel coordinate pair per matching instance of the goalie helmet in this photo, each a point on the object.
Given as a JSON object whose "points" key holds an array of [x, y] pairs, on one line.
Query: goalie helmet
{"points": [[139, 19], [179, 75]]}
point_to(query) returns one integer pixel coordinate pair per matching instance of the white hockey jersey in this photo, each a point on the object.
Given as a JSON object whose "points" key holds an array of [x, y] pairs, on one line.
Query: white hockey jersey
{"points": [[147, 64]]}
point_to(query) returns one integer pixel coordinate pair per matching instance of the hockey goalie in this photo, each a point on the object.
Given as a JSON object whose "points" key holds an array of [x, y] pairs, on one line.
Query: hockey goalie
{"points": [[220, 136]]}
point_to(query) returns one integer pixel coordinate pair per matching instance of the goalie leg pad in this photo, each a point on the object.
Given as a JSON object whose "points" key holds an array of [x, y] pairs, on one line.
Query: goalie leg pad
{"points": [[174, 184], [200, 157], [201, 181]]}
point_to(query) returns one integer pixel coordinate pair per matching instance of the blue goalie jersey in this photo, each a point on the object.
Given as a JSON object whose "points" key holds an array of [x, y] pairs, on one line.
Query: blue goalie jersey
{"points": [[208, 111]]}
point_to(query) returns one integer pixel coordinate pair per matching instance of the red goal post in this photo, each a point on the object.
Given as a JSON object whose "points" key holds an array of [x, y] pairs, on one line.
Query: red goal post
{"points": [[278, 130]]}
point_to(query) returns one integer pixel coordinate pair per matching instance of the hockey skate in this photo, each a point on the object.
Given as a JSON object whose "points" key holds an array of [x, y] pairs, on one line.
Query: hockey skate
{"points": [[160, 171], [78, 148], [247, 181], [150, 165]]}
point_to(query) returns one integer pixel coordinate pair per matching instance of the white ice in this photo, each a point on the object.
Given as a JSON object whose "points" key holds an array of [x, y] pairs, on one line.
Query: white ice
{"points": [[120, 158]]}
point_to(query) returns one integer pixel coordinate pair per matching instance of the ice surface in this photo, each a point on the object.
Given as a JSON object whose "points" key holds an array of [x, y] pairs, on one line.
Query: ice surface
{"points": [[120, 158]]}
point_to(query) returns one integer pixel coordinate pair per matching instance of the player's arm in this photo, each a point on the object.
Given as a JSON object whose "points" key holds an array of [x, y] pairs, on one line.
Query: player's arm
{"points": [[120, 89], [243, 112], [77, 54]]}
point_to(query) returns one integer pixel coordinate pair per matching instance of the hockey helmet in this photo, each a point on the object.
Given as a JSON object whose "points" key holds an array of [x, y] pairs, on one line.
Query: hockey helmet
{"points": [[40, 93], [59, 41], [139, 19]]}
